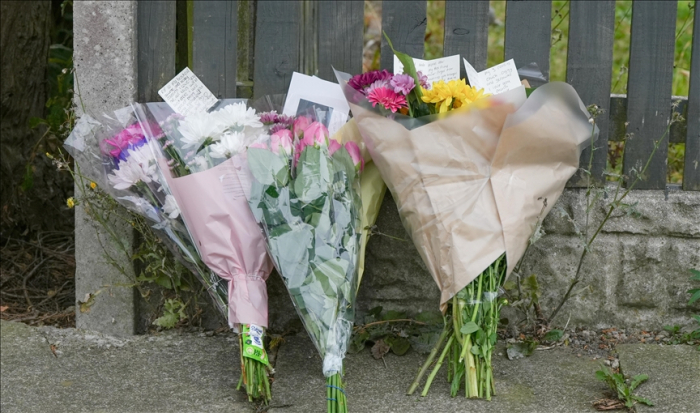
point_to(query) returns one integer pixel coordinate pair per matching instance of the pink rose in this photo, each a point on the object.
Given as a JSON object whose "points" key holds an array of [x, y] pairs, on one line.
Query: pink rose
{"points": [[282, 139], [334, 146], [316, 134], [356, 155], [300, 123]]}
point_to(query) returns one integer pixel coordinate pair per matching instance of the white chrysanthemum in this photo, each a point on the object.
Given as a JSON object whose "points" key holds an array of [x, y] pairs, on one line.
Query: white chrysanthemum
{"points": [[229, 145], [170, 207], [237, 116], [139, 166], [197, 128]]}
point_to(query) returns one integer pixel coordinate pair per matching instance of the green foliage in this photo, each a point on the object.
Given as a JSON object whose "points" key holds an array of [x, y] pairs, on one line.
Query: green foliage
{"points": [[623, 391], [173, 313], [153, 262], [395, 330]]}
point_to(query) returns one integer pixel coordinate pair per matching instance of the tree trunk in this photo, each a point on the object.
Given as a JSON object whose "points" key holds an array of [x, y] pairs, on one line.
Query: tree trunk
{"points": [[28, 190]]}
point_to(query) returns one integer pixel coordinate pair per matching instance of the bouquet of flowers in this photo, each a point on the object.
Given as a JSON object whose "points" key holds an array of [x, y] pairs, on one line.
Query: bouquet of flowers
{"points": [[202, 158], [113, 151], [305, 196], [470, 174]]}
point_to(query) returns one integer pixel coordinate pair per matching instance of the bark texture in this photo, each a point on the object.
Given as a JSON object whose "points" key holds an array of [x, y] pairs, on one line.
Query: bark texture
{"points": [[32, 193]]}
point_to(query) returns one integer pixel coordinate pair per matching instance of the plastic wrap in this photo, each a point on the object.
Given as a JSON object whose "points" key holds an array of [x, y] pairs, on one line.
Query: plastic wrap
{"points": [[202, 158], [306, 199], [113, 151], [470, 184]]}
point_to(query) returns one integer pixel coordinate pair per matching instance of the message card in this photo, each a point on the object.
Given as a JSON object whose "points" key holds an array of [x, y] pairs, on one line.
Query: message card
{"points": [[187, 95], [317, 99], [446, 68], [494, 80]]}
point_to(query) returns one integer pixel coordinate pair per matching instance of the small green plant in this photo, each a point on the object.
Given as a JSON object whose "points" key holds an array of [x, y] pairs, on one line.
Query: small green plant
{"points": [[394, 331], [173, 313], [621, 389]]}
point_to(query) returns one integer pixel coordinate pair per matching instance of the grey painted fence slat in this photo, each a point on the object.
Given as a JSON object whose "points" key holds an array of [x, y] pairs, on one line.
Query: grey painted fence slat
{"points": [[691, 174], [649, 89], [214, 45], [340, 37], [467, 31], [528, 33], [276, 46], [156, 47], [589, 64], [404, 22]]}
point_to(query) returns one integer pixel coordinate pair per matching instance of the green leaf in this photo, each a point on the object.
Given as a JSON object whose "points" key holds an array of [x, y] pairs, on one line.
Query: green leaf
{"points": [[554, 335], [520, 350], [430, 317], [342, 162], [696, 275], [637, 380], [642, 400], [409, 67], [398, 345], [267, 167], [469, 328], [313, 175], [695, 295]]}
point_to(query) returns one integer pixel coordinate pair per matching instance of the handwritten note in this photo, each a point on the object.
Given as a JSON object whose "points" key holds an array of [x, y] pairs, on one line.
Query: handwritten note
{"points": [[446, 68], [187, 95], [494, 80]]}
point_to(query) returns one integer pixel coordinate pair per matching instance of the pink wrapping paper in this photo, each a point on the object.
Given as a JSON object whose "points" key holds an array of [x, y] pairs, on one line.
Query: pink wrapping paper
{"points": [[215, 210]]}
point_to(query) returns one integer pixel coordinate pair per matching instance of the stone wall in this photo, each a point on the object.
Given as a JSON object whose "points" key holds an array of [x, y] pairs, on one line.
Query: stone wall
{"points": [[636, 272]]}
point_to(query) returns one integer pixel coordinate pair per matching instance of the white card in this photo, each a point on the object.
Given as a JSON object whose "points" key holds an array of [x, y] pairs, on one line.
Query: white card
{"points": [[187, 95], [494, 80], [322, 99], [446, 68]]}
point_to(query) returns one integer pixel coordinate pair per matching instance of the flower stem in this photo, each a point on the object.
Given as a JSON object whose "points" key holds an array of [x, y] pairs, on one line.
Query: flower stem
{"points": [[437, 366], [429, 361]]}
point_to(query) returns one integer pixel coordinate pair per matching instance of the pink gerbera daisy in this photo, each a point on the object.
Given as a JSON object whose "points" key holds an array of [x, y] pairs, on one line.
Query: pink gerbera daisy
{"points": [[387, 98]]}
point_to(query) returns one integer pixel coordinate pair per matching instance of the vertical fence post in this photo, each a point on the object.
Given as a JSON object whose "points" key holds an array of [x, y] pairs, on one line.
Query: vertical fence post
{"points": [[107, 32], [215, 45], [528, 34], [340, 37], [277, 37], [589, 64], [467, 32], [649, 87], [404, 22], [691, 173]]}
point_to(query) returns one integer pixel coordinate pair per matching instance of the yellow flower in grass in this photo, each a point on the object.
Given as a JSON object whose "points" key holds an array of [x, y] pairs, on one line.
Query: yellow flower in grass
{"points": [[451, 95], [93, 185], [70, 202]]}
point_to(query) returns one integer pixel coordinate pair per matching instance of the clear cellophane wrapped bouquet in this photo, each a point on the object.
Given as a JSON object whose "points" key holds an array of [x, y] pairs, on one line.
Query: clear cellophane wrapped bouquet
{"points": [[202, 159], [305, 195]]}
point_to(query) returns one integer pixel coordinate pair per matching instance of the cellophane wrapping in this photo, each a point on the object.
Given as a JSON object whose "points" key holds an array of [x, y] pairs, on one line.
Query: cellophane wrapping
{"points": [[309, 209], [112, 150], [202, 158]]}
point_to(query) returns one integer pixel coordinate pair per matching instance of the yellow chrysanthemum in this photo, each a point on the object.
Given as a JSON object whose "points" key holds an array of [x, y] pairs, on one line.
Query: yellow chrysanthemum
{"points": [[93, 185], [70, 202], [451, 95]]}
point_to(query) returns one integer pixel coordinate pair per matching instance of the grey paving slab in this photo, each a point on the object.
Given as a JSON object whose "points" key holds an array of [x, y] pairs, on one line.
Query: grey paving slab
{"points": [[674, 375]]}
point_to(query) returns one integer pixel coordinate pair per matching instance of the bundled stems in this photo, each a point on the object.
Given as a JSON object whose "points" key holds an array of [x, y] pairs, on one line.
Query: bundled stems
{"points": [[470, 331], [255, 377], [336, 401]]}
